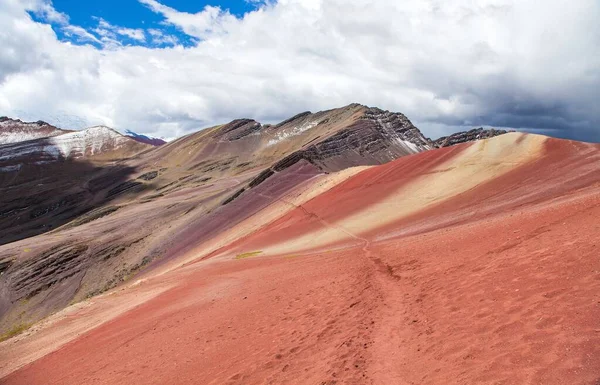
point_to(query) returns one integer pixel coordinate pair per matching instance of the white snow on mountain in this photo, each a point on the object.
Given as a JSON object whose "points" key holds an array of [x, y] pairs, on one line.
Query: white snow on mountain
{"points": [[14, 131], [72, 145], [87, 142], [296, 130]]}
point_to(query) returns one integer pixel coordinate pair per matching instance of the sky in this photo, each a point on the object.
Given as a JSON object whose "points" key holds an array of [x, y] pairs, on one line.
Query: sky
{"points": [[166, 68]]}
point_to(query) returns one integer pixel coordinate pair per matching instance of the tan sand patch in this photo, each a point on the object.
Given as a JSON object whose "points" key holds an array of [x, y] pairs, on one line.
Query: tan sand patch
{"points": [[481, 162]]}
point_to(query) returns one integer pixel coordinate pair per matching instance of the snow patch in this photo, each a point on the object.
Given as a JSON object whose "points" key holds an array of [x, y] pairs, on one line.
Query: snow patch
{"points": [[285, 134], [14, 131], [88, 142], [409, 145]]}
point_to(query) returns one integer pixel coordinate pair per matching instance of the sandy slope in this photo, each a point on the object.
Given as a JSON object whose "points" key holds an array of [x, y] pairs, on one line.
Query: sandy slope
{"points": [[472, 264]]}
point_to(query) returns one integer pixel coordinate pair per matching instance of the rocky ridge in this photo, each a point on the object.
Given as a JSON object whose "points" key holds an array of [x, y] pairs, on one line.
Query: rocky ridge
{"points": [[467, 136]]}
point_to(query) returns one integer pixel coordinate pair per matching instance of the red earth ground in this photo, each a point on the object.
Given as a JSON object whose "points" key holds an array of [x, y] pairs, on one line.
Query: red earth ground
{"points": [[496, 284]]}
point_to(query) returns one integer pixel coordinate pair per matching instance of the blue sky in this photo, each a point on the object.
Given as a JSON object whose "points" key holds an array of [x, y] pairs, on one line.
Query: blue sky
{"points": [[133, 14]]}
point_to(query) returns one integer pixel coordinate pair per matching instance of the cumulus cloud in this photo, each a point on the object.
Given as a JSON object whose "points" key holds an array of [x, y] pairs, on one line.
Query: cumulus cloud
{"points": [[44, 10], [447, 65]]}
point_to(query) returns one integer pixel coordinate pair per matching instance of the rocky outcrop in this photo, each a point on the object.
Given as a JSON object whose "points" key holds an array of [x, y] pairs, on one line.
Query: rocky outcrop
{"points": [[149, 176], [54, 275], [467, 136], [377, 137], [294, 118], [397, 126], [49, 268], [41, 198], [238, 129]]}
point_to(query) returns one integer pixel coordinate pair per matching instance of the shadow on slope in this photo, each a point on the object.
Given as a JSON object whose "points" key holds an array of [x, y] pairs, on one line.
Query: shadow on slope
{"points": [[40, 198]]}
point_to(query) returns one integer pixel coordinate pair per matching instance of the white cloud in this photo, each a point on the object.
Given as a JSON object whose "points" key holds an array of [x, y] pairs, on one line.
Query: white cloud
{"points": [[205, 24], [111, 36], [112, 32], [160, 38], [513, 63], [135, 34], [45, 10], [80, 33]]}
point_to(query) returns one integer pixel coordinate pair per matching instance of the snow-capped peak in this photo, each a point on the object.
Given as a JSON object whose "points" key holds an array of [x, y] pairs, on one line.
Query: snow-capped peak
{"points": [[15, 130], [89, 141], [72, 145]]}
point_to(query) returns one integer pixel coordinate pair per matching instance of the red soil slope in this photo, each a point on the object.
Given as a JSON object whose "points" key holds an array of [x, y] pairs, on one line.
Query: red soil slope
{"points": [[495, 283]]}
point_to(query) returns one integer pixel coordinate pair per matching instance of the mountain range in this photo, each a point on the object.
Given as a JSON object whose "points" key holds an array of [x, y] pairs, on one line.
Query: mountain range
{"points": [[371, 253]]}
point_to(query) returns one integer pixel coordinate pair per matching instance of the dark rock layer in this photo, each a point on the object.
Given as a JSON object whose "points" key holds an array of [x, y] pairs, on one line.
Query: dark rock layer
{"points": [[467, 136]]}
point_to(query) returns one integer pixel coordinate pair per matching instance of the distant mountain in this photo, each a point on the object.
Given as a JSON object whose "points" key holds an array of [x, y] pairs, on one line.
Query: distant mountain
{"points": [[15, 130], [61, 145], [145, 139], [467, 136]]}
